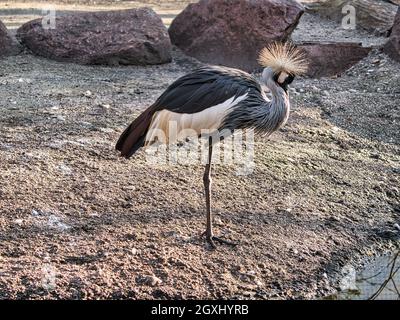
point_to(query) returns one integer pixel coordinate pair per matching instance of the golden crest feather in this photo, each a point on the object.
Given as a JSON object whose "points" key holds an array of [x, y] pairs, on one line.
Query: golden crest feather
{"points": [[283, 57]]}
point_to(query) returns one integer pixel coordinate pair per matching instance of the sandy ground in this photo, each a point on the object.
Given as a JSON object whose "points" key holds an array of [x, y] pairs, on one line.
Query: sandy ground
{"points": [[77, 221]]}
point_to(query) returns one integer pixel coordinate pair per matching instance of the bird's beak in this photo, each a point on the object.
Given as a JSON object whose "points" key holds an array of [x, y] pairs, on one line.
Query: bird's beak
{"points": [[282, 77]]}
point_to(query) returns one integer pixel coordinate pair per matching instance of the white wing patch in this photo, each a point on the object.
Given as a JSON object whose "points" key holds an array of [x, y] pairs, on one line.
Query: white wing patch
{"points": [[169, 127]]}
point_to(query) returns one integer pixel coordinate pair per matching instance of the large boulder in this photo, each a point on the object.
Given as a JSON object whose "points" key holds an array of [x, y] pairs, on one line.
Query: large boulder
{"points": [[332, 59], [135, 36], [232, 32], [5, 41], [392, 47], [375, 16]]}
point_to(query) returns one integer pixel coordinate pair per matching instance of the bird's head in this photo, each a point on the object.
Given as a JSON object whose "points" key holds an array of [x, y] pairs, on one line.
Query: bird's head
{"points": [[282, 63]]}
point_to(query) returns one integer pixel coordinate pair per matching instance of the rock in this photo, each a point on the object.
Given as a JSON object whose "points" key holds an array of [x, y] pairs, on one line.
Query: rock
{"points": [[388, 234], [65, 170], [218, 221], [331, 59], [55, 222], [59, 118], [19, 222], [392, 47], [232, 32], [315, 89], [104, 106], [135, 36], [151, 281], [372, 15], [262, 265], [87, 94], [5, 41]]}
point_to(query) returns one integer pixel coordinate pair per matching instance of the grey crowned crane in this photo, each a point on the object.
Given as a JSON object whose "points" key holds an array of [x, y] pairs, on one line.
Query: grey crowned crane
{"points": [[218, 99]]}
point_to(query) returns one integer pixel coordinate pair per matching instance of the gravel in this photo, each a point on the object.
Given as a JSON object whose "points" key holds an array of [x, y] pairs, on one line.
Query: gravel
{"points": [[77, 221]]}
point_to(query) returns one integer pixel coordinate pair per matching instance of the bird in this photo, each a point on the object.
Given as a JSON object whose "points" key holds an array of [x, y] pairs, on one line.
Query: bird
{"points": [[219, 99]]}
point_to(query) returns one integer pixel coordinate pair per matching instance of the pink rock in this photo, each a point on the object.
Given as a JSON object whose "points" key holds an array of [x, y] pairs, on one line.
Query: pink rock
{"points": [[331, 59], [135, 36], [232, 32], [5, 41], [392, 47]]}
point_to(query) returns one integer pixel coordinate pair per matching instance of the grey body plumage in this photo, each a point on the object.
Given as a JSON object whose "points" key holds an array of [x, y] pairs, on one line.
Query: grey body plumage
{"points": [[258, 113]]}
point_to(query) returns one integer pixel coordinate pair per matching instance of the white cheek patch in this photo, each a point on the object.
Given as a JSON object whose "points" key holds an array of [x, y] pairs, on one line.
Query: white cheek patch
{"points": [[282, 77]]}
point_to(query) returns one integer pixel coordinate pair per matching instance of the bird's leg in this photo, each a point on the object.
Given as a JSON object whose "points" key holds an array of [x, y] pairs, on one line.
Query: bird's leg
{"points": [[207, 186]]}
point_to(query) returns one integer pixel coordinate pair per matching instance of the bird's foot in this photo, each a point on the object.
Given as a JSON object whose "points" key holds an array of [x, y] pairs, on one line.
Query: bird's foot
{"points": [[211, 239]]}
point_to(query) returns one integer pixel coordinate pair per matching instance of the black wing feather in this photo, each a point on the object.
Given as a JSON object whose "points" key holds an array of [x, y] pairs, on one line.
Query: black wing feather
{"points": [[204, 88]]}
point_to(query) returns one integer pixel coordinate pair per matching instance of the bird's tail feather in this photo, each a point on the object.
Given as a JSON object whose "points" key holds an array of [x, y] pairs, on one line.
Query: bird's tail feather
{"points": [[134, 135]]}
